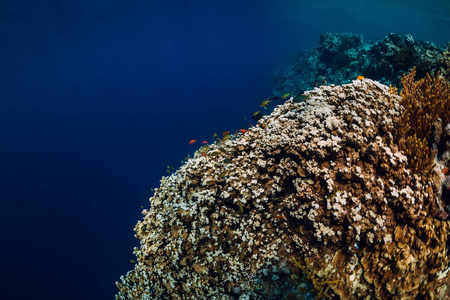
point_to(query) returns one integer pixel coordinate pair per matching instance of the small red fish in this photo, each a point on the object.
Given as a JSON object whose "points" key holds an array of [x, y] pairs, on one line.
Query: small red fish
{"points": [[360, 77], [192, 141], [205, 142], [203, 153], [445, 171], [243, 131], [226, 132]]}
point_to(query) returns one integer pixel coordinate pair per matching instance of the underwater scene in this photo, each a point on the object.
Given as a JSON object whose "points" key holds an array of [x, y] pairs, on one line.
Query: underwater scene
{"points": [[225, 150]]}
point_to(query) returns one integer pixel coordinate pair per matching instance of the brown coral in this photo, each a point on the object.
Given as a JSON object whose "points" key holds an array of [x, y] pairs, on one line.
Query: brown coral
{"points": [[404, 258]]}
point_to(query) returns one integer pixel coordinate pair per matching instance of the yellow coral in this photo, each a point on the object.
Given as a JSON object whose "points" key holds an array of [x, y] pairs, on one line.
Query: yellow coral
{"points": [[425, 101], [320, 285]]}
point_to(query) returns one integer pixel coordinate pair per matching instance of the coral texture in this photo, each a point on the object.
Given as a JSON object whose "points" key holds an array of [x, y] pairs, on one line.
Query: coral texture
{"points": [[318, 189]]}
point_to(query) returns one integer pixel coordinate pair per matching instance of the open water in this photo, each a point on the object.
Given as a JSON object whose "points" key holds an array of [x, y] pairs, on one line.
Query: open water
{"points": [[98, 97]]}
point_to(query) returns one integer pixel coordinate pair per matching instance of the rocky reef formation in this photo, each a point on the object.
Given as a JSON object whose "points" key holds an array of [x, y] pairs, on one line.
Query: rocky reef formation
{"points": [[316, 198], [341, 58]]}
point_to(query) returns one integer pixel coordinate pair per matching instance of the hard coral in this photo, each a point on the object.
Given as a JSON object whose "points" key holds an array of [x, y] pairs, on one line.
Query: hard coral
{"points": [[404, 58], [425, 101], [444, 62], [320, 181]]}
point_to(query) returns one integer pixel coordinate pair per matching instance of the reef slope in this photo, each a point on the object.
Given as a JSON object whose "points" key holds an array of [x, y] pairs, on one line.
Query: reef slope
{"points": [[321, 182]]}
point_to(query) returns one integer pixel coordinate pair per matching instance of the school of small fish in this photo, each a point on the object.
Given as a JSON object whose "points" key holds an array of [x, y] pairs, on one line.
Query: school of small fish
{"points": [[256, 116]]}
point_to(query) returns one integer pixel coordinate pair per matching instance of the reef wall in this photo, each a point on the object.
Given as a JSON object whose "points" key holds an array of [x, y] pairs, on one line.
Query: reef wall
{"points": [[316, 197]]}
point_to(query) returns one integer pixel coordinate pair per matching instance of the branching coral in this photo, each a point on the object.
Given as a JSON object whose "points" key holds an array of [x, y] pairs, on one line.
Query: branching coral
{"points": [[425, 101]]}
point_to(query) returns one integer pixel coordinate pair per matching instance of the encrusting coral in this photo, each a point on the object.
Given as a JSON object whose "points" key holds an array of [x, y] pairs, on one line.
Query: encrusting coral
{"points": [[318, 188]]}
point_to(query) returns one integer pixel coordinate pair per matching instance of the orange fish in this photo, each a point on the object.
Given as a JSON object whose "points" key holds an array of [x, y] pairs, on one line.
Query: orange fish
{"points": [[205, 142], [192, 141], [243, 131], [225, 133], [445, 171], [360, 77], [203, 153]]}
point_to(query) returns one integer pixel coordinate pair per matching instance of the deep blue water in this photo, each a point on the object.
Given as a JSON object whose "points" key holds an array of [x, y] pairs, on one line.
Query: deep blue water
{"points": [[98, 97]]}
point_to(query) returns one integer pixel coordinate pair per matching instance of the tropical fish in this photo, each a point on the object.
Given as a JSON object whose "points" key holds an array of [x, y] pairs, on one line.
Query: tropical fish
{"points": [[445, 171], [205, 142], [222, 175], [210, 182], [255, 113], [301, 98], [360, 77], [243, 131], [132, 261], [320, 80], [203, 148], [264, 103], [241, 208], [226, 137], [286, 95], [192, 141], [214, 135], [214, 153], [226, 133]]}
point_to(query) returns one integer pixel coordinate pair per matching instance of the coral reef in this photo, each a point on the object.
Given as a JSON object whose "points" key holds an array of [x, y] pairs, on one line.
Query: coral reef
{"points": [[444, 62], [341, 58], [318, 191]]}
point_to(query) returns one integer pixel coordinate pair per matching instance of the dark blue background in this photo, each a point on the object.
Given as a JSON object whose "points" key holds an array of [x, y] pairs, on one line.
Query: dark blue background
{"points": [[98, 97]]}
